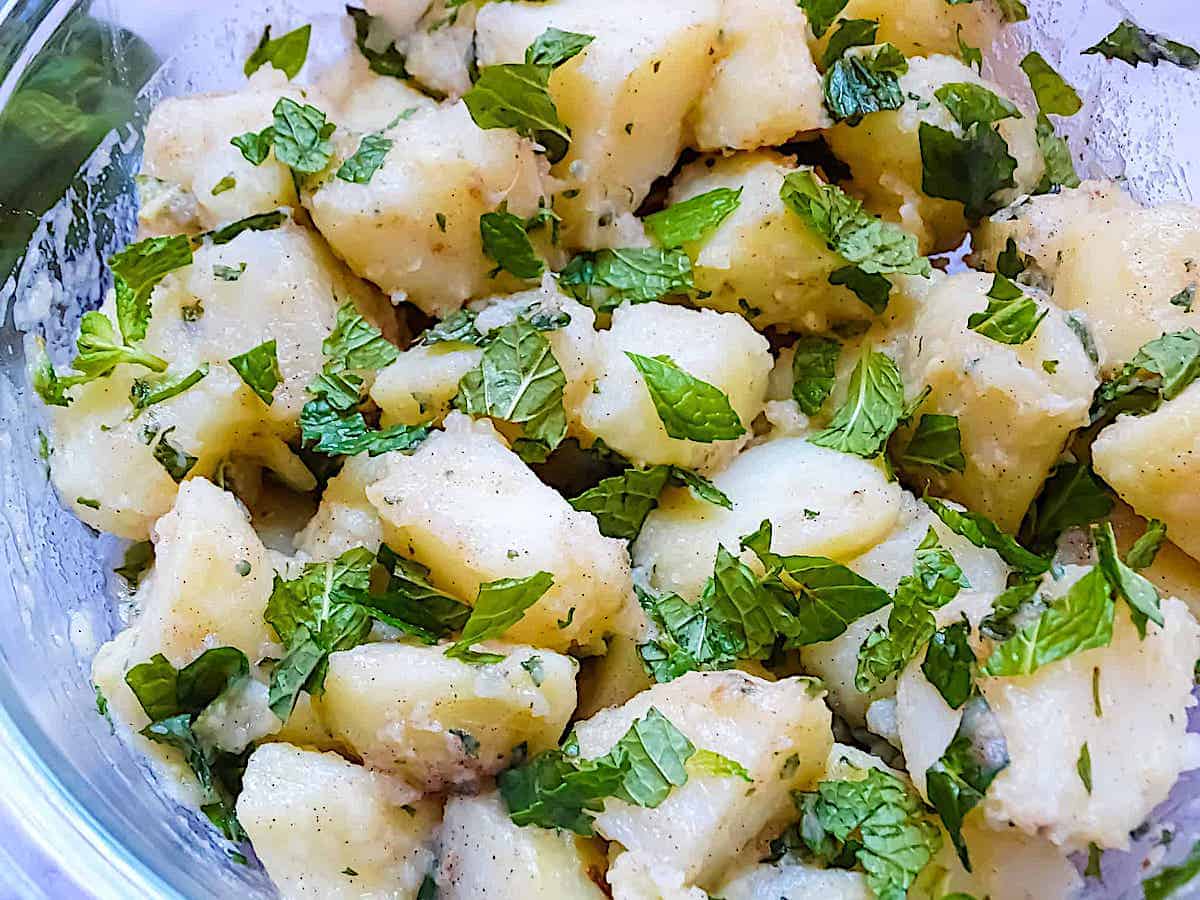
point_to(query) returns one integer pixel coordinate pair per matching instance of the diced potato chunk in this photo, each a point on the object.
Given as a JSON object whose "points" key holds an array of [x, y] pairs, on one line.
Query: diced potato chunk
{"points": [[421, 384], [483, 854], [820, 503], [701, 826], [765, 88], [325, 828], [467, 507], [720, 349], [289, 292], [795, 882], [187, 147], [414, 229], [1014, 416], [624, 98], [1153, 463], [345, 519], [922, 27], [437, 721], [890, 182], [438, 51], [361, 100]]}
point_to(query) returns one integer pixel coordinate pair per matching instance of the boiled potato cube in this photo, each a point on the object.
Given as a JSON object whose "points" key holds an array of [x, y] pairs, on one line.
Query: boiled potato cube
{"points": [[289, 292], [720, 349], [702, 825], [890, 182], [467, 507], [438, 50], [437, 721], [187, 153], [414, 228], [921, 27], [763, 261], [1152, 462], [361, 100], [765, 88], [345, 519], [820, 503], [796, 882], [315, 819], [625, 97], [1014, 416], [483, 854], [421, 384]]}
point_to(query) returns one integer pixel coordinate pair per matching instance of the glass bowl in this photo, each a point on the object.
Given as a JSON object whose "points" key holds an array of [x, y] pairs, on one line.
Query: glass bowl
{"points": [[79, 812]]}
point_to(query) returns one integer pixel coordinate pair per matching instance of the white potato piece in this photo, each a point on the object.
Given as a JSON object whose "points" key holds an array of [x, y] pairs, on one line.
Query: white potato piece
{"points": [[421, 384], [483, 854], [890, 183], [362, 100], [437, 52], [1008, 864], [468, 508], [398, 16], [766, 88], [187, 147], [613, 678], [763, 261], [289, 292], [437, 721], [625, 97], [634, 876], [922, 27], [1152, 462], [795, 882], [314, 818], [440, 169], [820, 503], [701, 826], [835, 662], [1013, 415], [345, 519], [717, 348]]}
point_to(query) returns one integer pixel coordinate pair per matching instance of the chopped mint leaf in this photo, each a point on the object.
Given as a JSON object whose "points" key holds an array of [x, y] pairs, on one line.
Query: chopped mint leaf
{"points": [[146, 392], [957, 782], [1141, 554], [1072, 496], [458, 327], [302, 136], [971, 56], [814, 372], [533, 665], [1133, 45], [1011, 610], [470, 743], [88, 502], [1084, 767], [255, 145], [258, 222], [858, 84], [1185, 298], [1056, 154], [1011, 262], [850, 33], [983, 532], [1054, 96], [1160, 370], [693, 219], [622, 502], [949, 663], [1093, 869], [821, 13], [604, 279], [1168, 882], [506, 241], [708, 762], [412, 604], [340, 433], [385, 60], [355, 343], [164, 691], [701, 487], [690, 409], [969, 169], [871, 411], [871, 244], [287, 53], [970, 103], [46, 382], [228, 183], [228, 273], [136, 271], [1126, 583], [259, 368], [1010, 317], [177, 462], [871, 288], [139, 556], [499, 606], [554, 47], [1013, 10], [936, 443], [371, 152]]}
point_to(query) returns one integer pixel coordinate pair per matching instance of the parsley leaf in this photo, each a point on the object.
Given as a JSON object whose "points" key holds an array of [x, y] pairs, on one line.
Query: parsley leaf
{"points": [[850, 33], [145, 392], [371, 152], [693, 219], [957, 782], [1054, 95], [506, 241], [936, 443], [604, 279], [136, 270], [969, 169], [1133, 45], [1071, 496], [287, 53], [970, 103], [259, 368], [1010, 317], [814, 372], [858, 84], [983, 532], [499, 606], [301, 138], [873, 407], [821, 13], [690, 409], [383, 61], [101, 350], [949, 663]]}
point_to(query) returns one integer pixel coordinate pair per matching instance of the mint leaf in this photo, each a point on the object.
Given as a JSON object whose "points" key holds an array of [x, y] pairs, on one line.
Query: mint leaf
{"points": [[970, 103], [936, 443], [259, 222], [48, 384], [139, 556], [411, 603], [814, 372], [693, 219], [1012, 10], [1054, 95], [1012, 609], [1071, 496], [255, 145], [1141, 554], [708, 762], [227, 183], [458, 327], [605, 279], [178, 463], [969, 169], [1168, 882], [259, 368], [1139, 593], [701, 487], [1185, 298], [1133, 45], [850, 33], [340, 433], [983, 532], [821, 13], [621, 503], [146, 392], [229, 273], [301, 138], [499, 606], [652, 756], [1056, 154], [1084, 767], [518, 380], [971, 56], [136, 270], [950, 663], [383, 61], [355, 343], [859, 84], [1080, 620], [554, 47], [871, 411], [371, 152], [287, 53], [871, 288], [692, 637], [958, 781], [871, 244], [1011, 262], [690, 409], [1174, 357], [1010, 317], [506, 241]]}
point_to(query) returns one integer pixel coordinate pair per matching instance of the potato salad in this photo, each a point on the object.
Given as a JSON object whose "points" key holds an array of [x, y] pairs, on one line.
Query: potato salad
{"points": [[648, 449]]}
